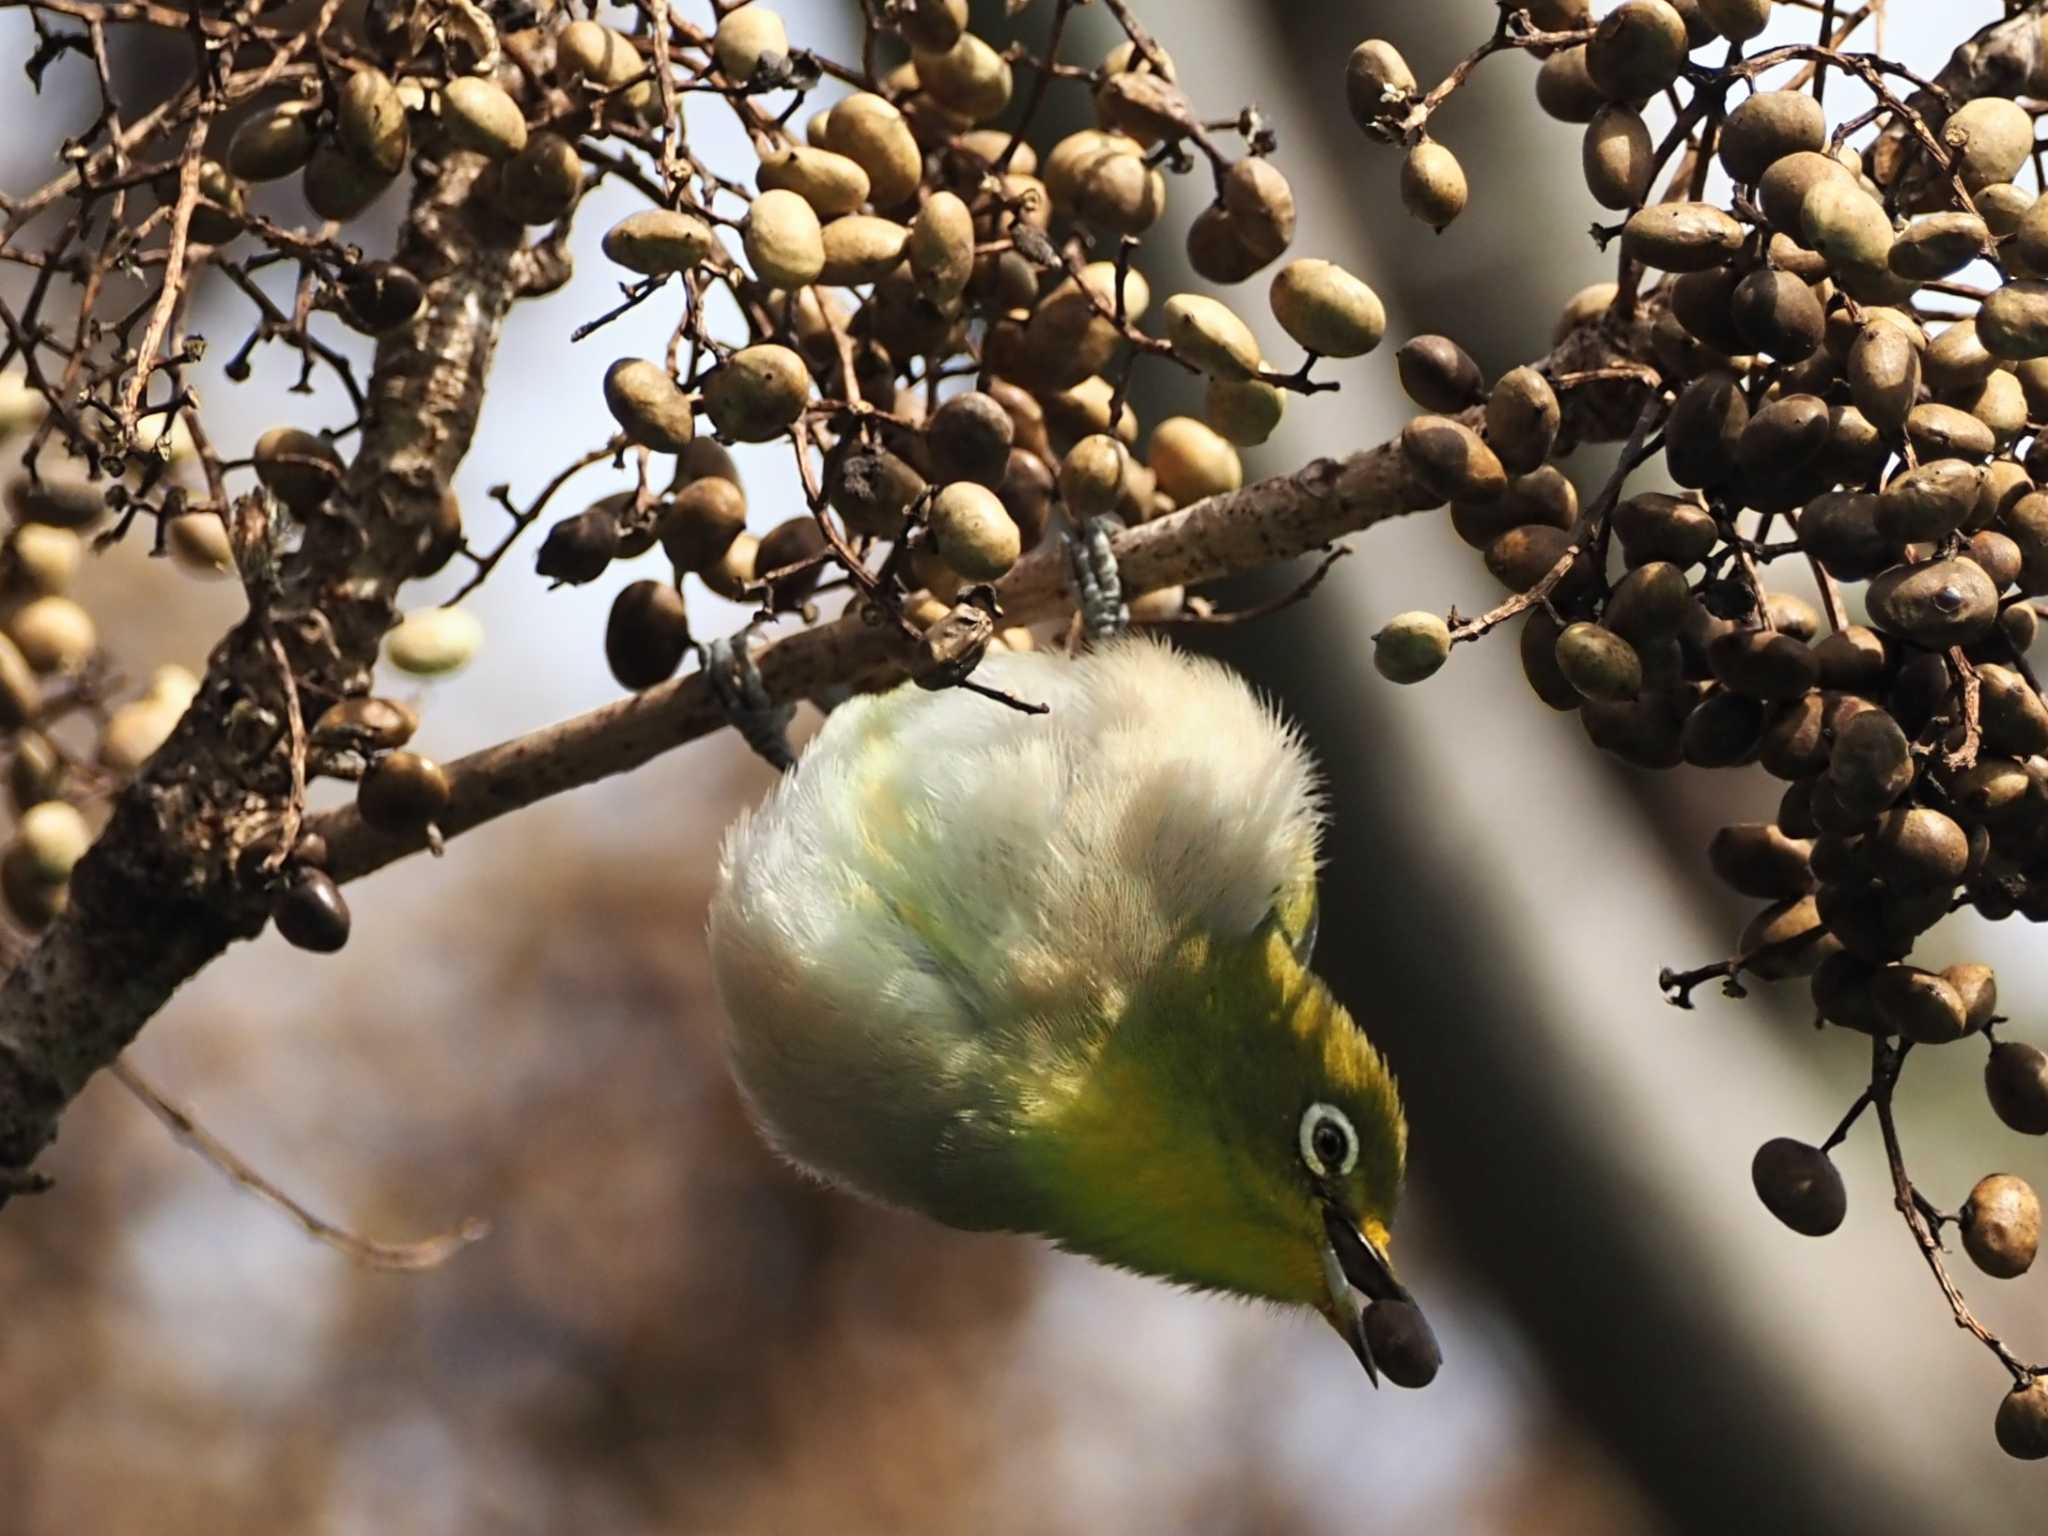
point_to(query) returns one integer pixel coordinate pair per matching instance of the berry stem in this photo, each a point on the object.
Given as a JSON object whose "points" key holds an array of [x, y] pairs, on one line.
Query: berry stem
{"points": [[1887, 1059]]}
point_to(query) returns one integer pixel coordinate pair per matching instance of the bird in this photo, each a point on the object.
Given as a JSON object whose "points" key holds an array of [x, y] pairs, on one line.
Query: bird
{"points": [[1048, 973]]}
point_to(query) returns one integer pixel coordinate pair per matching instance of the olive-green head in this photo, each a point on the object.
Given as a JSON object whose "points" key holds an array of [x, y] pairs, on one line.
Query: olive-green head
{"points": [[1236, 1132]]}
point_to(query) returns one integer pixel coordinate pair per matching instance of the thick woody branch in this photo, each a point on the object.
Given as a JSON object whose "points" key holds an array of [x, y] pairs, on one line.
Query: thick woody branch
{"points": [[172, 880], [1247, 530], [1258, 526]]}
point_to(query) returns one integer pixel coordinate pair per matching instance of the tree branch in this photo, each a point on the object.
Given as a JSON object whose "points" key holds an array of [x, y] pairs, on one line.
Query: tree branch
{"points": [[1262, 524], [1246, 530], [167, 887]]}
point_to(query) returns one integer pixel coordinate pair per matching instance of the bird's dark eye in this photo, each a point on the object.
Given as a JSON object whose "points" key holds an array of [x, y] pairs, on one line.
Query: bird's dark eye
{"points": [[1328, 1143]]}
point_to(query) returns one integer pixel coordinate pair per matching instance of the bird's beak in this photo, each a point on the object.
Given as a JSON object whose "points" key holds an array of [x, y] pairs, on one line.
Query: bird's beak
{"points": [[1351, 1260], [1345, 1315], [1360, 1259]]}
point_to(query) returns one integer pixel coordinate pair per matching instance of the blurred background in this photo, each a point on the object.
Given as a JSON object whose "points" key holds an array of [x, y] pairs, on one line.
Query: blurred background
{"points": [[666, 1332]]}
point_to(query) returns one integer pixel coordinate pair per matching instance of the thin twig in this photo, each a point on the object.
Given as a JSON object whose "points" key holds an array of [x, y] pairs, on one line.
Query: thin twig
{"points": [[1587, 537], [427, 1253], [295, 746], [1301, 593], [1886, 1061]]}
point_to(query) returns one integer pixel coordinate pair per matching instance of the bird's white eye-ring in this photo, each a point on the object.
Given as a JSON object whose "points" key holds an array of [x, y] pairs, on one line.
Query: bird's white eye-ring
{"points": [[1328, 1143]]}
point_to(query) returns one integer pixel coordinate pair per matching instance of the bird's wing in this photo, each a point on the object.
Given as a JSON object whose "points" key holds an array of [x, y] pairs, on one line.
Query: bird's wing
{"points": [[945, 899]]}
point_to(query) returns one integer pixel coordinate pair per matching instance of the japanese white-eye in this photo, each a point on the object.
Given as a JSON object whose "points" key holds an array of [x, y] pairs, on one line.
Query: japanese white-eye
{"points": [[1046, 973]]}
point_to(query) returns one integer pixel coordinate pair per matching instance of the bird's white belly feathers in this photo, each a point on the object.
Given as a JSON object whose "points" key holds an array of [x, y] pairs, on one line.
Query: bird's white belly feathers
{"points": [[930, 918]]}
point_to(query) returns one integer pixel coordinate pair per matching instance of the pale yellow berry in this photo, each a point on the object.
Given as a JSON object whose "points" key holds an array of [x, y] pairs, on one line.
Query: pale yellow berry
{"points": [[432, 642]]}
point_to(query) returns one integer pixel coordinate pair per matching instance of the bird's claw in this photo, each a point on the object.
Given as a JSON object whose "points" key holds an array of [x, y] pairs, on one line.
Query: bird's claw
{"points": [[1104, 613], [736, 683]]}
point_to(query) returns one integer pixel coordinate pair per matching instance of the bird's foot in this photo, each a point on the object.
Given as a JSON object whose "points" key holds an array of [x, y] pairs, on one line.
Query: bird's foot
{"points": [[736, 683], [1104, 613]]}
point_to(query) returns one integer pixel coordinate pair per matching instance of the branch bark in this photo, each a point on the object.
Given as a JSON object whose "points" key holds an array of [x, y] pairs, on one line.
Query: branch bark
{"points": [[168, 885], [1263, 524]]}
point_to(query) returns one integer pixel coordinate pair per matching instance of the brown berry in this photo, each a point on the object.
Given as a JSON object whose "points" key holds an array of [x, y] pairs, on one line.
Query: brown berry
{"points": [[2016, 1082], [1433, 186], [1920, 1005], [647, 634], [701, 522], [364, 724], [1757, 859], [1935, 604], [1438, 374], [2022, 1423], [299, 468], [310, 913], [969, 438], [1638, 50], [1377, 80], [403, 793], [1799, 1185], [1522, 419], [648, 404], [1401, 1342], [1451, 460], [577, 549], [2001, 1225]]}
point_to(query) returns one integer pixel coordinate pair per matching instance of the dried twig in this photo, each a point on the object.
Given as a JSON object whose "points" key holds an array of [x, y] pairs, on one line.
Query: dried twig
{"points": [[426, 1253]]}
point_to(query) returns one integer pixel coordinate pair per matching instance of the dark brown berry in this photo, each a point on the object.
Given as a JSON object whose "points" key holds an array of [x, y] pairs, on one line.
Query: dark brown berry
{"points": [[1451, 460], [700, 524], [1723, 731], [2016, 1082], [1919, 848], [1799, 1185], [1438, 374], [1792, 938], [1763, 663], [1919, 1005], [1705, 426], [1539, 661], [796, 541], [969, 438], [379, 297], [579, 548], [310, 913], [647, 634], [1935, 604], [1756, 859], [873, 490], [1654, 526], [1402, 1343], [1871, 764], [1775, 312], [1841, 993]]}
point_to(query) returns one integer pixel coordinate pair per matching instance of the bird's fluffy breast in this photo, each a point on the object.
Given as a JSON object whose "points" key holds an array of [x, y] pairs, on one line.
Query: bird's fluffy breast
{"points": [[933, 910]]}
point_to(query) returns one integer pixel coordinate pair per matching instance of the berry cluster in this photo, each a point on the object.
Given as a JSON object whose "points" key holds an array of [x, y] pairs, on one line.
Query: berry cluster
{"points": [[1847, 370]]}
